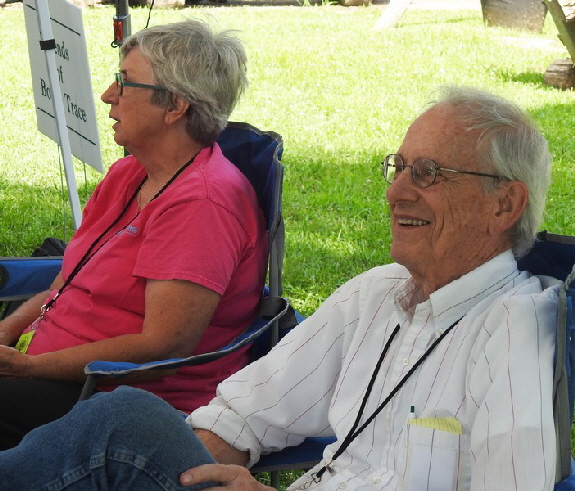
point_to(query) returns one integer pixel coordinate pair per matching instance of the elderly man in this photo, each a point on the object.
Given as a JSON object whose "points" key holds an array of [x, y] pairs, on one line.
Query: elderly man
{"points": [[433, 373]]}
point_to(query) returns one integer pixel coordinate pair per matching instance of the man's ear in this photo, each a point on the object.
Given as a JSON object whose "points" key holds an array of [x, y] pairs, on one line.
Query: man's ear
{"points": [[177, 110], [512, 200]]}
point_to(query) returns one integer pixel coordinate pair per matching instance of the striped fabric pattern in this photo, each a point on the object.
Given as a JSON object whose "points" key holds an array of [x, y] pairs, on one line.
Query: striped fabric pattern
{"points": [[492, 374]]}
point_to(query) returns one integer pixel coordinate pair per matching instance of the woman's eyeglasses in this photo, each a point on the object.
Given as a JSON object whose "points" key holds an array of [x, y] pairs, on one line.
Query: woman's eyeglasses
{"points": [[121, 83]]}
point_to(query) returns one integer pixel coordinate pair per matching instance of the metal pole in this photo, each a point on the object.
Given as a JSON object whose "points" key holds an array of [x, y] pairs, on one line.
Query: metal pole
{"points": [[122, 25]]}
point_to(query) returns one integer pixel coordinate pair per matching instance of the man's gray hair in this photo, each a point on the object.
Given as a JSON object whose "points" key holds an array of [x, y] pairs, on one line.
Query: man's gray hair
{"points": [[510, 145], [206, 68]]}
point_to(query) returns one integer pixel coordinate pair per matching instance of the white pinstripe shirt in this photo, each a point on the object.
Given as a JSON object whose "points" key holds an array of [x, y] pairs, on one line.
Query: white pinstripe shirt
{"points": [[492, 373]]}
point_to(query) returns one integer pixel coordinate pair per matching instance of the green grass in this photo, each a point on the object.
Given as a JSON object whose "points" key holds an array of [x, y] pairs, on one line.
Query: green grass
{"points": [[340, 93]]}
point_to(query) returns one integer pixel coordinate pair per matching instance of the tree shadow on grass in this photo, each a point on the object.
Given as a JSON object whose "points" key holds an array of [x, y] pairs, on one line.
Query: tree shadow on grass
{"points": [[29, 214], [531, 78], [425, 24]]}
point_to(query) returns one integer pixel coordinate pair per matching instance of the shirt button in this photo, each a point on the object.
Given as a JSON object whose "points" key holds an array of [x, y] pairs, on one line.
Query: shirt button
{"points": [[342, 485], [376, 480], [405, 361]]}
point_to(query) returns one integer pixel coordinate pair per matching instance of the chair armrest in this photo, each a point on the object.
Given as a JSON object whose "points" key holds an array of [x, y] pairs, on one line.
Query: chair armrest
{"points": [[23, 277], [100, 369], [302, 456]]}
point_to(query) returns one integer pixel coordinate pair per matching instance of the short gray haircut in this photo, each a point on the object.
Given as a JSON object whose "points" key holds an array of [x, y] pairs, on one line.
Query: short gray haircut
{"points": [[510, 145], [206, 68]]}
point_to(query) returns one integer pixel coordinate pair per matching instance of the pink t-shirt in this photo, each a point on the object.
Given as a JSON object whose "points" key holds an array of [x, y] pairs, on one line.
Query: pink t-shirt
{"points": [[206, 227]]}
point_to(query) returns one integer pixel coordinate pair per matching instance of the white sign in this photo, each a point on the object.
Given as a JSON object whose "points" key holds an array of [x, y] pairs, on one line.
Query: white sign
{"points": [[73, 74]]}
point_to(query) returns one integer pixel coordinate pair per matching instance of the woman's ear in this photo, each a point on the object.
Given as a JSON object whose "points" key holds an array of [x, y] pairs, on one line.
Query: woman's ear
{"points": [[177, 110], [512, 200]]}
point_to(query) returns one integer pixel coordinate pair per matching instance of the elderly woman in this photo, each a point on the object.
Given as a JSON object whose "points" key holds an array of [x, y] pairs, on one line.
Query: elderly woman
{"points": [[171, 255]]}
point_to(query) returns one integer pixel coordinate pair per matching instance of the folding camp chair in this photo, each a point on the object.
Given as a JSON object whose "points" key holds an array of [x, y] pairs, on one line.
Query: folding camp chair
{"points": [[21, 278], [552, 255], [257, 154]]}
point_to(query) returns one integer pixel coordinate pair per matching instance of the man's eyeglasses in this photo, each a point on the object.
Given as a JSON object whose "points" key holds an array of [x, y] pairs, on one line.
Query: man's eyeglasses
{"points": [[423, 171], [121, 83]]}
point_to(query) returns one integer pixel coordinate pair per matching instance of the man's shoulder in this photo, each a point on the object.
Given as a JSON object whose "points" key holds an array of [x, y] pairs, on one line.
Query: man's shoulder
{"points": [[530, 297], [535, 286]]}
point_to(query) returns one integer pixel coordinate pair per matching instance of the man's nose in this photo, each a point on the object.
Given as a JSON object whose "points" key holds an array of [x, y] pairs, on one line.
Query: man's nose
{"points": [[402, 188]]}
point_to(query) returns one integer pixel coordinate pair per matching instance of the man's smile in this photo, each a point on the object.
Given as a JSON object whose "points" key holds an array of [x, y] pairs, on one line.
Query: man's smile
{"points": [[411, 222]]}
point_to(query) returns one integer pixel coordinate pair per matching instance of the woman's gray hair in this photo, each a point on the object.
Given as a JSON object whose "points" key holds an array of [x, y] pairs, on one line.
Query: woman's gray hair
{"points": [[510, 145], [206, 68]]}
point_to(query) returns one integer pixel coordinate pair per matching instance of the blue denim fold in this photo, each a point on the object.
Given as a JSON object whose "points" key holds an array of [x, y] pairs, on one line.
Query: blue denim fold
{"points": [[124, 440]]}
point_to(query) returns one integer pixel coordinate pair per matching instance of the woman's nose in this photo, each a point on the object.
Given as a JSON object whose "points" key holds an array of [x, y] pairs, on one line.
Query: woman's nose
{"points": [[109, 95]]}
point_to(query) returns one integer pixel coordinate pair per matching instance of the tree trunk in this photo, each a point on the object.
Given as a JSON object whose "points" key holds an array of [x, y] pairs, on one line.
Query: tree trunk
{"points": [[527, 15]]}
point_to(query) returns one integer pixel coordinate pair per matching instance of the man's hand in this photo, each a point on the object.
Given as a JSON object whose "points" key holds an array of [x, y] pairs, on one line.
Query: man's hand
{"points": [[228, 476]]}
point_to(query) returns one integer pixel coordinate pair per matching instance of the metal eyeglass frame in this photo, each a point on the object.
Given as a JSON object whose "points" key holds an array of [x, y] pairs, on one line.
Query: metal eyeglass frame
{"points": [[121, 83], [419, 168]]}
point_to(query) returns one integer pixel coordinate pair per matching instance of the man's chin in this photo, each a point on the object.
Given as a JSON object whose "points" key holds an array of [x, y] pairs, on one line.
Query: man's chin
{"points": [[399, 254], [395, 249]]}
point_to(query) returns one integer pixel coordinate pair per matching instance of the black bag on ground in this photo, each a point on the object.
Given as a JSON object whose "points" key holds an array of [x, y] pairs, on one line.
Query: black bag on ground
{"points": [[50, 247]]}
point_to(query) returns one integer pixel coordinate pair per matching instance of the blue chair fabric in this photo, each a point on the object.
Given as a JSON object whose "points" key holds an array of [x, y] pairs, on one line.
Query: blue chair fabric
{"points": [[20, 278], [554, 255]]}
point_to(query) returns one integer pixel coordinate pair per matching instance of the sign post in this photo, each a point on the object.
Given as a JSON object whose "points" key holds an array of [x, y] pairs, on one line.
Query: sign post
{"points": [[62, 86]]}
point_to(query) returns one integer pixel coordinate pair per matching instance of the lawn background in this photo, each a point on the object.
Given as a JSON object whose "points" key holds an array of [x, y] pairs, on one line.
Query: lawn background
{"points": [[340, 93]]}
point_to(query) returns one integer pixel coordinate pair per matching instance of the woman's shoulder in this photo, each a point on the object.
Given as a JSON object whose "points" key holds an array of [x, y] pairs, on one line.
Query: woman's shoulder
{"points": [[218, 169], [215, 178]]}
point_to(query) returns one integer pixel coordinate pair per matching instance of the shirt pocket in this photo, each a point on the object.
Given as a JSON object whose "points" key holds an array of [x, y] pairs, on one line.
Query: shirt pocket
{"points": [[432, 458]]}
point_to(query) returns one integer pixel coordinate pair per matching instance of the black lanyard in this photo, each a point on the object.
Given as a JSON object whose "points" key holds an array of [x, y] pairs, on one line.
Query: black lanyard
{"points": [[89, 255], [355, 430]]}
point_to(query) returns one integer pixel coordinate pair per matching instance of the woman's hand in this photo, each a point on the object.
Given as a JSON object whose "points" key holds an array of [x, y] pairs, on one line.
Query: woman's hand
{"points": [[225, 476], [8, 335], [12, 362], [12, 326], [177, 314]]}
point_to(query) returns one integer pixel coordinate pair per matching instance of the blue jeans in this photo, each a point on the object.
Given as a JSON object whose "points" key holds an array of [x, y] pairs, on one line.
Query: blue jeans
{"points": [[125, 440]]}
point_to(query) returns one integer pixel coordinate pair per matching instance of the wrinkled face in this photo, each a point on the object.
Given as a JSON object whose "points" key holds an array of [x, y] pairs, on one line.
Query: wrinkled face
{"points": [[443, 231], [139, 124]]}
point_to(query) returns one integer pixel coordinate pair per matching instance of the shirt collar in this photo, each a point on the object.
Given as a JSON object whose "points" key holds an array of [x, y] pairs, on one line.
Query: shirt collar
{"points": [[454, 300]]}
